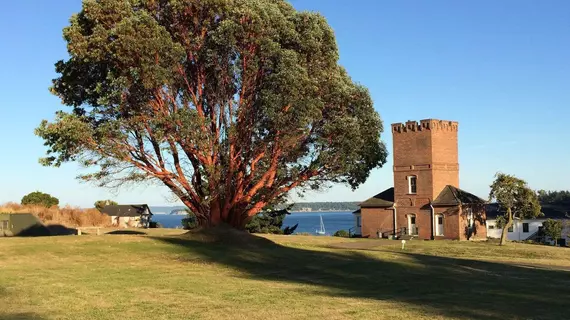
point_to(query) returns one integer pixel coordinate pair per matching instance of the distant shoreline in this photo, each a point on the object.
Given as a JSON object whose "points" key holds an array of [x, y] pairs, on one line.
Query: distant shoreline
{"points": [[321, 211]]}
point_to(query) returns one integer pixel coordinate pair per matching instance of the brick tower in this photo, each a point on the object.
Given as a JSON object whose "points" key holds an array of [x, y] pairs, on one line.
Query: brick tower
{"points": [[425, 202], [427, 153]]}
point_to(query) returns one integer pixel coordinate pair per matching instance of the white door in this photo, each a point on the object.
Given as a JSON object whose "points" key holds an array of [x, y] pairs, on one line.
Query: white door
{"points": [[439, 225], [412, 224]]}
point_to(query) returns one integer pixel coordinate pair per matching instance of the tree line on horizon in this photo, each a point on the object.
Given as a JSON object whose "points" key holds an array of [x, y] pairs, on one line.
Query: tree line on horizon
{"points": [[323, 206]]}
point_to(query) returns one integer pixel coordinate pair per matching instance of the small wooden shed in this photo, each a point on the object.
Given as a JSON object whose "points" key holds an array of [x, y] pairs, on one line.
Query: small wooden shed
{"points": [[21, 224]]}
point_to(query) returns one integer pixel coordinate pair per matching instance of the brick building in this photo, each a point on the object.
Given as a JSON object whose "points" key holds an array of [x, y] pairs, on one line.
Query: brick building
{"points": [[426, 201]]}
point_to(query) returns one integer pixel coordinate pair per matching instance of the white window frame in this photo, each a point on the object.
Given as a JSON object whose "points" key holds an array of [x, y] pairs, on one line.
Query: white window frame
{"points": [[437, 216], [410, 184]]}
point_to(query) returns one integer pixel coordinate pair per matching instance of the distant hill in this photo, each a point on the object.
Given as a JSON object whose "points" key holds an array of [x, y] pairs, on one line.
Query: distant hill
{"points": [[325, 206], [164, 209]]}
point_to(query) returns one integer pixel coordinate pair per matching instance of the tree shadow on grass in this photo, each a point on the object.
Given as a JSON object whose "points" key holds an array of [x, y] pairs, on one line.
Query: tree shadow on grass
{"points": [[459, 288], [20, 316], [131, 232], [40, 230]]}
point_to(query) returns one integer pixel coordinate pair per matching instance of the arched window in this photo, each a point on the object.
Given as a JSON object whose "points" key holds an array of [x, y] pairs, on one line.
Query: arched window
{"points": [[412, 184]]}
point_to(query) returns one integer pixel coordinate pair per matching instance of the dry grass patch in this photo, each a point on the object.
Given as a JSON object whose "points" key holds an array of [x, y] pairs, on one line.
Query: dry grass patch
{"points": [[67, 216]]}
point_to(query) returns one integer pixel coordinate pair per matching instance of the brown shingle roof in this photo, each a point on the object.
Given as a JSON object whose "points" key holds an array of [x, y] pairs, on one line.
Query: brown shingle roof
{"points": [[452, 196], [382, 200]]}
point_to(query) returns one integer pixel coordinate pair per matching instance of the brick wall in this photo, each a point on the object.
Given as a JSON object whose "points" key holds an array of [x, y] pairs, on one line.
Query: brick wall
{"points": [[376, 219], [450, 222], [429, 150], [479, 231]]}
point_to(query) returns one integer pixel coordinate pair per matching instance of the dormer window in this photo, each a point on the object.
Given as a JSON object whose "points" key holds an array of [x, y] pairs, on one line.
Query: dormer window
{"points": [[412, 186]]}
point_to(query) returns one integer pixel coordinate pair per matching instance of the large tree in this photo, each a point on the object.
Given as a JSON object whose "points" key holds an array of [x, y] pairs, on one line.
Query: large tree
{"points": [[40, 198], [515, 199], [228, 103]]}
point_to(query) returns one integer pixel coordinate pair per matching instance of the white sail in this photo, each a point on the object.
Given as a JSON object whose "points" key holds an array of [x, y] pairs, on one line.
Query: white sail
{"points": [[322, 229]]}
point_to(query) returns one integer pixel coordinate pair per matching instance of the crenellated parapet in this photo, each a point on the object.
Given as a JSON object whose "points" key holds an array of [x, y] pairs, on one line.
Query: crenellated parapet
{"points": [[427, 124]]}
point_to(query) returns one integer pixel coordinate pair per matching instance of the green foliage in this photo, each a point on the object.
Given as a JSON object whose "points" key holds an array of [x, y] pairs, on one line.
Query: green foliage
{"points": [[40, 198], [341, 233], [190, 222], [270, 221], [102, 203], [515, 198], [500, 222], [553, 229], [197, 95], [554, 197], [513, 193], [154, 224]]}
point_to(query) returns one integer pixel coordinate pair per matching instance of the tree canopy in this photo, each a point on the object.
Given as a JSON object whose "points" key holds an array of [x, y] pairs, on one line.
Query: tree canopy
{"points": [[553, 229], [561, 197], [230, 104], [102, 203], [516, 199], [40, 198]]}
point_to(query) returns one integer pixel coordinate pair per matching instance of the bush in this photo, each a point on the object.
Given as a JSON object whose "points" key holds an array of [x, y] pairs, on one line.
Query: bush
{"points": [[270, 221], [190, 222], [40, 198], [341, 233], [154, 224]]}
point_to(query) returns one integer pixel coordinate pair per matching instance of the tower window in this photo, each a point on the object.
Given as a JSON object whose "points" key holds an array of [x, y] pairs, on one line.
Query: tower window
{"points": [[412, 187]]}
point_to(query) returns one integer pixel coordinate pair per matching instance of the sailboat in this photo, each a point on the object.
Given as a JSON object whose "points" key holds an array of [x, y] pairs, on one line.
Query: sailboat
{"points": [[321, 231]]}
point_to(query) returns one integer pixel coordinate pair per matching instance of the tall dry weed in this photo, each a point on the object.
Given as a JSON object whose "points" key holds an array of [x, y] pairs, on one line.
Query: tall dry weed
{"points": [[67, 216]]}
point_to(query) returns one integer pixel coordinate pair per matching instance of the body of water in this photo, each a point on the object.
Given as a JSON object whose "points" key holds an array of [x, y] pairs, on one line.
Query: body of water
{"points": [[308, 222]]}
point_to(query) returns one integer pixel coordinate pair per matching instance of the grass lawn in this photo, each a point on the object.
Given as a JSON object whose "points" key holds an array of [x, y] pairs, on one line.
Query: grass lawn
{"points": [[165, 276]]}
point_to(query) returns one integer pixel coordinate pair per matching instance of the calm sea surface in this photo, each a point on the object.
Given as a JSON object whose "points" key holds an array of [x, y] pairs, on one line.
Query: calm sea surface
{"points": [[308, 221]]}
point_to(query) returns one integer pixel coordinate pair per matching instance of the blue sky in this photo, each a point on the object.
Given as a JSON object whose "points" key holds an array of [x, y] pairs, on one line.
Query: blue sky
{"points": [[499, 67]]}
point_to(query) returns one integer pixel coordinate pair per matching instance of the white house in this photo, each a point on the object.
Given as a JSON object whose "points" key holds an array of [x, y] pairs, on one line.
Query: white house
{"points": [[529, 229], [357, 229]]}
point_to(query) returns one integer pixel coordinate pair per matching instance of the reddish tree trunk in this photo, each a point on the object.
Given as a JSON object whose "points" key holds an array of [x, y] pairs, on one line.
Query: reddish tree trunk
{"points": [[504, 234], [215, 214]]}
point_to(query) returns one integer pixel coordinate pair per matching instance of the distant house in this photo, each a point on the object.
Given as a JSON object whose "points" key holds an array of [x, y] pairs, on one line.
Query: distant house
{"points": [[132, 215], [530, 229]]}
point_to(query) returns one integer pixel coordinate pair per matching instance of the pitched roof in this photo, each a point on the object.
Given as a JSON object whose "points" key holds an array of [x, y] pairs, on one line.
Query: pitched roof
{"points": [[549, 211], [382, 200], [130, 210], [452, 196]]}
